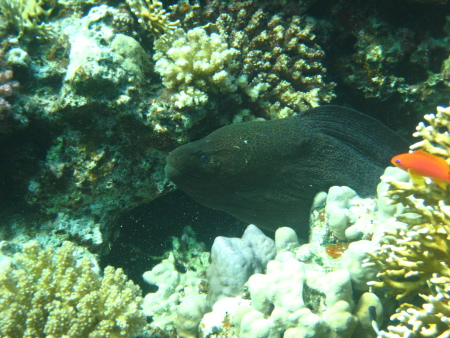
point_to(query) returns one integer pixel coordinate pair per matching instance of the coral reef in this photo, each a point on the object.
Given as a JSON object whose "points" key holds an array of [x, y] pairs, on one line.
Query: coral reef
{"points": [[195, 61], [234, 260], [97, 95], [193, 64], [7, 86], [86, 180], [270, 66], [27, 17], [304, 291], [276, 304], [58, 293], [88, 167], [297, 296], [381, 58], [338, 200], [282, 68], [118, 86], [414, 261], [180, 278], [152, 16], [102, 64], [189, 315]]}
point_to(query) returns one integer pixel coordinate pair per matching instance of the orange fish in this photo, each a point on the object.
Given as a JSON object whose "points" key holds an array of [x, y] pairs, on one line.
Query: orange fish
{"points": [[420, 164]]}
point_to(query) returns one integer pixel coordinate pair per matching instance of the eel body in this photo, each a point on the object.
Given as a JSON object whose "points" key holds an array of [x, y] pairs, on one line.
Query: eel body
{"points": [[268, 172]]}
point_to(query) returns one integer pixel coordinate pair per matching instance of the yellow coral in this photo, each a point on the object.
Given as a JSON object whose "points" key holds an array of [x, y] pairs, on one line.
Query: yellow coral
{"points": [[435, 140], [51, 293], [415, 260], [152, 16], [26, 16]]}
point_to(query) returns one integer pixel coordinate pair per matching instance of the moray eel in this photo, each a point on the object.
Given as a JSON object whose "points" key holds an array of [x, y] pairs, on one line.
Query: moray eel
{"points": [[268, 172]]}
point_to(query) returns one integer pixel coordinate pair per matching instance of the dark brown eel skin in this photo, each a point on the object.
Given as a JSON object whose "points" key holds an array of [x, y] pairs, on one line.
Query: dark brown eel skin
{"points": [[268, 172]]}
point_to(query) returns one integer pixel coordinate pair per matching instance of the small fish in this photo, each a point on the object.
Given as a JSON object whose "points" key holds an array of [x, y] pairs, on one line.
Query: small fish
{"points": [[420, 164]]}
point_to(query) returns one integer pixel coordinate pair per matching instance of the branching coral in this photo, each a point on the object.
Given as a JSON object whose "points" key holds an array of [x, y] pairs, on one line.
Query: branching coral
{"points": [[194, 63], [415, 260], [391, 59], [152, 16], [26, 16], [239, 62], [280, 61], [49, 293], [281, 53]]}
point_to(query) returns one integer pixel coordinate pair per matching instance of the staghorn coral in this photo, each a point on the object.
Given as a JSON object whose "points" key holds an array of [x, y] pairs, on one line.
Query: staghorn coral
{"points": [[152, 16], [414, 260], [26, 16], [50, 293]]}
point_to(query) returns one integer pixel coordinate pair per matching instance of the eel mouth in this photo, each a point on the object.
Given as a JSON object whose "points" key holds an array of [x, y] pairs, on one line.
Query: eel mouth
{"points": [[178, 176], [170, 172], [174, 174]]}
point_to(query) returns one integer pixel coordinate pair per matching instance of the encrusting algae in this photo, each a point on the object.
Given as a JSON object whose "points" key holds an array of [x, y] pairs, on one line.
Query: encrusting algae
{"points": [[414, 260]]}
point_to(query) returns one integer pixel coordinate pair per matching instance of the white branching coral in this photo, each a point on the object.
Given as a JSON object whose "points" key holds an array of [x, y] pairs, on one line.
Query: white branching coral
{"points": [[414, 261], [194, 64], [435, 140], [51, 293]]}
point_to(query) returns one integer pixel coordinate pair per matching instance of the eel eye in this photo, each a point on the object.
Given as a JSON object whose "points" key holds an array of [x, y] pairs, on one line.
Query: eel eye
{"points": [[204, 159], [397, 161]]}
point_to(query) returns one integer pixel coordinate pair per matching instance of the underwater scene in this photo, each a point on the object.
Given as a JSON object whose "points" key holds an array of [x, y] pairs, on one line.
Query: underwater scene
{"points": [[229, 169]]}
